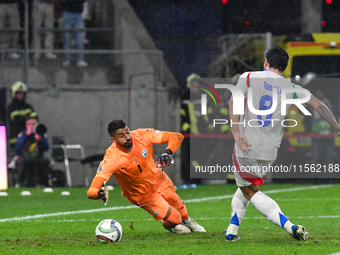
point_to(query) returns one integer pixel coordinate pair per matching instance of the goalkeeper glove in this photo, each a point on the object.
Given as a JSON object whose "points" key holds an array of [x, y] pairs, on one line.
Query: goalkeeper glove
{"points": [[103, 193], [165, 159]]}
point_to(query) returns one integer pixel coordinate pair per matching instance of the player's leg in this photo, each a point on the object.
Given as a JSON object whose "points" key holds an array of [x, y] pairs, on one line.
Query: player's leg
{"points": [[168, 192], [173, 221], [177, 203], [271, 210], [239, 205], [158, 208]]}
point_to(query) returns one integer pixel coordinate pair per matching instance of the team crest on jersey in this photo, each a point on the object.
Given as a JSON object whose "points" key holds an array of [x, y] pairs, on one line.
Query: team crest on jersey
{"points": [[100, 168], [144, 153]]}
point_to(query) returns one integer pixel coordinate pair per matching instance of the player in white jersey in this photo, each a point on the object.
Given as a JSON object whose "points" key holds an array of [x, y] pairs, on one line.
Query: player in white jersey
{"points": [[257, 139]]}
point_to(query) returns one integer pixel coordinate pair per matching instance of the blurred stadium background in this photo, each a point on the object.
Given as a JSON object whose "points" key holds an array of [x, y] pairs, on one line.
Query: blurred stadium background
{"points": [[139, 55]]}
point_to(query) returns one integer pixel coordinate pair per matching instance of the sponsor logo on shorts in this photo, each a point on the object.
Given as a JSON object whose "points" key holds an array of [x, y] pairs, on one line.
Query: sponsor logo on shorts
{"points": [[144, 153]]}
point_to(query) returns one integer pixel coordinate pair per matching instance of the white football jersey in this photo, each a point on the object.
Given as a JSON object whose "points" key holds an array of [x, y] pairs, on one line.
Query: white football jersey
{"points": [[264, 133]]}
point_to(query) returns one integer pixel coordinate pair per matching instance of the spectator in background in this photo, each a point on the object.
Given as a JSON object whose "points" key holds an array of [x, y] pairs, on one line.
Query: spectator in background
{"points": [[22, 13], [18, 111], [100, 14], [86, 17], [190, 103], [72, 19], [57, 10], [321, 146], [194, 123], [3, 93], [9, 9], [44, 16], [31, 168], [191, 100], [2, 116], [58, 35]]}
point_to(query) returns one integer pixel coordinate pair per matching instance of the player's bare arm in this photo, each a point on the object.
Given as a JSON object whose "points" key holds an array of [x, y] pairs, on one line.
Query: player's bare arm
{"points": [[325, 113], [240, 139]]}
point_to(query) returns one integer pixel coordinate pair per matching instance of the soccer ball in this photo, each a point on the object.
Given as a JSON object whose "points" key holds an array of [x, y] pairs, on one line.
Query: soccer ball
{"points": [[109, 231]]}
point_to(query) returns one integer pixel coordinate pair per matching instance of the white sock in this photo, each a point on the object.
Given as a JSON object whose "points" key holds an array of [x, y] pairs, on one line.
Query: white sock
{"points": [[239, 205], [187, 221], [271, 210], [288, 227]]}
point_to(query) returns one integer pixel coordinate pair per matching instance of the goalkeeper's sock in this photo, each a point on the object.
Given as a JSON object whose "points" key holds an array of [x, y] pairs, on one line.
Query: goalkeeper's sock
{"points": [[180, 207], [239, 205], [173, 219], [186, 218], [288, 227], [187, 221], [271, 210]]}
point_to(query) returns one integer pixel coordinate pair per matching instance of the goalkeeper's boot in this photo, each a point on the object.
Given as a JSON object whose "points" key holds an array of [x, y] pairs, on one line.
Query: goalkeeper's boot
{"points": [[300, 233], [231, 237], [179, 229], [194, 226]]}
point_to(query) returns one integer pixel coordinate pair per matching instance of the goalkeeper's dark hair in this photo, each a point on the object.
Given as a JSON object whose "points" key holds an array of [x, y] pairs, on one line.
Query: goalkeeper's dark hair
{"points": [[277, 58], [115, 125]]}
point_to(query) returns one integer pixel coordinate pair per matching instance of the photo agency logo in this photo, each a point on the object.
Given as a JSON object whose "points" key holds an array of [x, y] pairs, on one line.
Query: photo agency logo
{"points": [[267, 105], [204, 101]]}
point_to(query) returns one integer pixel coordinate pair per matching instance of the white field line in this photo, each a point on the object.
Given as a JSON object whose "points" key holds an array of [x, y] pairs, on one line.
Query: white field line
{"points": [[196, 200], [68, 213], [266, 192], [308, 199]]}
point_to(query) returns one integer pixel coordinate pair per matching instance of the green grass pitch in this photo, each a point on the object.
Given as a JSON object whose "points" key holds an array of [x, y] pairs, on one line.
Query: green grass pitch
{"points": [[48, 223]]}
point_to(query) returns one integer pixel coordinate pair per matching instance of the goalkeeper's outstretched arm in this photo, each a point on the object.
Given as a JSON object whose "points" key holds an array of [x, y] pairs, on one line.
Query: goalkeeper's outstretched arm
{"points": [[173, 139], [92, 192], [325, 113]]}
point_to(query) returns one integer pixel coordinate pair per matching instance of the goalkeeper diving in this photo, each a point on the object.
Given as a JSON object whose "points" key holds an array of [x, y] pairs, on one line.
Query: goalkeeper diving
{"points": [[130, 159]]}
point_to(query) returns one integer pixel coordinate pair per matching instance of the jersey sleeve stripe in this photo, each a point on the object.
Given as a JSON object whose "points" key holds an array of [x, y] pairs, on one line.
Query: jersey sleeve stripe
{"points": [[248, 80]]}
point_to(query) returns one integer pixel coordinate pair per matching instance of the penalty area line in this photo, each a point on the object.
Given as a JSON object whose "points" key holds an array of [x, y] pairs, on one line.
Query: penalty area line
{"points": [[195, 200]]}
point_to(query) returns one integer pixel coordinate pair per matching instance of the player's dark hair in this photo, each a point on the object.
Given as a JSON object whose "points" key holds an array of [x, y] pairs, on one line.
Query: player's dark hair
{"points": [[115, 125], [277, 58]]}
